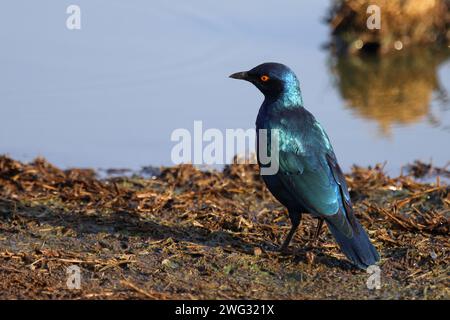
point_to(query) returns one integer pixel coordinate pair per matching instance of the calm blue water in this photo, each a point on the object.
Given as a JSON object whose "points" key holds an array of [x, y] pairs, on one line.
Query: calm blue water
{"points": [[110, 94]]}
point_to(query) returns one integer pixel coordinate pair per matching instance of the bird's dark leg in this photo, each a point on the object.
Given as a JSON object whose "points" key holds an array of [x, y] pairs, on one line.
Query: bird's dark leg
{"points": [[318, 229], [295, 220]]}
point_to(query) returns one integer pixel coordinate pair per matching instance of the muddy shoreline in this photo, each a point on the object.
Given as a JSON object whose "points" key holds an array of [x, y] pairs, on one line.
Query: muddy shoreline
{"points": [[190, 234]]}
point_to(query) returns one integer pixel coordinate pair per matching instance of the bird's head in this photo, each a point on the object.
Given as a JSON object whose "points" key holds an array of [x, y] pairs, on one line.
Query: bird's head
{"points": [[274, 80]]}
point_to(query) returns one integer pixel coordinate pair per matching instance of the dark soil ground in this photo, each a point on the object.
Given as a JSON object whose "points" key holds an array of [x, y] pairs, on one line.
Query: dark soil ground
{"points": [[190, 234]]}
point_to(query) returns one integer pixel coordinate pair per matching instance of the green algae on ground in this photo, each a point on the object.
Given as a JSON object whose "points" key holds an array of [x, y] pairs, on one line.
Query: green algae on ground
{"points": [[190, 234]]}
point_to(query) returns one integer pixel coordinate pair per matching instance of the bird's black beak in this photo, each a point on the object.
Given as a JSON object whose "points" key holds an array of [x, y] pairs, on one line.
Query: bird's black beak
{"points": [[240, 75]]}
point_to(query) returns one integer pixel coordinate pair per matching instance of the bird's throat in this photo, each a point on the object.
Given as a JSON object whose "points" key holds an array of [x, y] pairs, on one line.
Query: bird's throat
{"points": [[286, 100]]}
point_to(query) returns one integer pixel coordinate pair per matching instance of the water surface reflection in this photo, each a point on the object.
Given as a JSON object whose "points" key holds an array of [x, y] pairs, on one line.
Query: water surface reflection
{"points": [[395, 89]]}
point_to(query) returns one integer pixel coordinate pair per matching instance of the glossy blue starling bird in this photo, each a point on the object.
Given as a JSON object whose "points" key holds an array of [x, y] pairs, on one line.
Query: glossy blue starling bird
{"points": [[308, 179]]}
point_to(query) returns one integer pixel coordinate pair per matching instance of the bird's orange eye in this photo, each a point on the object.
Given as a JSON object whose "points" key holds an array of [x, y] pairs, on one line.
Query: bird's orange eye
{"points": [[265, 78]]}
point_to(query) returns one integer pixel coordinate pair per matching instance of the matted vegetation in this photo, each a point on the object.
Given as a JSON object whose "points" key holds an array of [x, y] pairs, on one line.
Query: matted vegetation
{"points": [[191, 234]]}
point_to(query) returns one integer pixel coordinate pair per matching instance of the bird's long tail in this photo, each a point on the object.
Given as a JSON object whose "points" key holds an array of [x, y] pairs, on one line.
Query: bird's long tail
{"points": [[358, 248]]}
